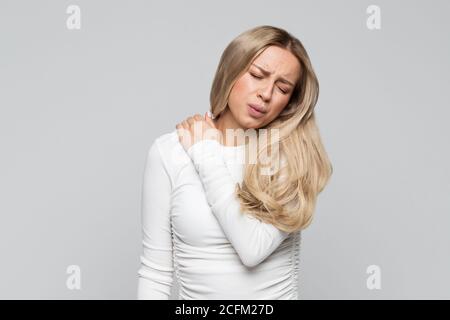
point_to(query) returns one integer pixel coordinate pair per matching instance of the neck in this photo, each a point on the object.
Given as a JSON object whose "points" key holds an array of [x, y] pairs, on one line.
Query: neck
{"points": [[227, 121]]}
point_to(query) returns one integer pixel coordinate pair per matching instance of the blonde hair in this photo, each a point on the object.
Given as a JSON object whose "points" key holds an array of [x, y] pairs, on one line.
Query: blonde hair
{"points": [[289, 203]]}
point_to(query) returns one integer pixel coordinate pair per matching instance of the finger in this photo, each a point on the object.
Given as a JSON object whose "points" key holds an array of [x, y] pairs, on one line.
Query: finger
{"points": [[206, 118], [210, 121], [180, 131], [190, 120]]}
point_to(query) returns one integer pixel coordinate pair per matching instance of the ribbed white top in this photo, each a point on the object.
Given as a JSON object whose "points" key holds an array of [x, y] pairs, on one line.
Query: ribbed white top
{"points": [[193, 228]]}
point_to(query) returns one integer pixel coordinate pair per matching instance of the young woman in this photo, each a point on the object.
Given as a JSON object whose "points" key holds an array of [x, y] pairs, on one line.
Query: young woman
{"points": [[224, 226]]}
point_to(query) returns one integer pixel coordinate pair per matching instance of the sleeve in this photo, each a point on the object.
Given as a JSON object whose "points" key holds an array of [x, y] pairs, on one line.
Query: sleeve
{"points": [[155, 274], [252, 239]]}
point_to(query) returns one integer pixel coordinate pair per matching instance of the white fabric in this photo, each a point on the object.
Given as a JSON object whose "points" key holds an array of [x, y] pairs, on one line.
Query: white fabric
{"points": [[193, 229]]}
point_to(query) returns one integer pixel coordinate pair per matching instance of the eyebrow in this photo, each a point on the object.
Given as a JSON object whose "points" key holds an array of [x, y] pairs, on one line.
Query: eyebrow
{"points": [[268, 73]]}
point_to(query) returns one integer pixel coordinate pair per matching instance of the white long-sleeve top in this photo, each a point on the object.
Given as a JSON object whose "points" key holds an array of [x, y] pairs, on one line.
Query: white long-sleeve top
{"points": [[193, 229]]}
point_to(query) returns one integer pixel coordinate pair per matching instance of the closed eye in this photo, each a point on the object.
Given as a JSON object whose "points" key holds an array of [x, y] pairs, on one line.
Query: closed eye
{"points": [[255, 76], [258, 77]]}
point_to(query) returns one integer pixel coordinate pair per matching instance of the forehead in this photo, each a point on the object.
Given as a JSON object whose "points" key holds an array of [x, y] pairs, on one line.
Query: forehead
{"points": [[280, 61]]}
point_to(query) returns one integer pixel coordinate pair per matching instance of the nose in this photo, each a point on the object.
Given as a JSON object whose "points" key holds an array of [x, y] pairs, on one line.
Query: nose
{"points": [[265, 92]]}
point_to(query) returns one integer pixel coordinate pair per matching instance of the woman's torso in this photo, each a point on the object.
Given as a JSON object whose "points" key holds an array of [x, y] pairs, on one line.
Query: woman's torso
{"points": [[206, 264]]}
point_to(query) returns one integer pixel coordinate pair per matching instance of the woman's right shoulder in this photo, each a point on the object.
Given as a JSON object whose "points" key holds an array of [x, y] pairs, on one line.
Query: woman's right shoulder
{"points": [[170, 150]]}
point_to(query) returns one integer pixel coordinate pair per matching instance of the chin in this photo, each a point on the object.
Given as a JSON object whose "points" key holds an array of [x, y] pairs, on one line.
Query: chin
{"points": [[251, 123]]}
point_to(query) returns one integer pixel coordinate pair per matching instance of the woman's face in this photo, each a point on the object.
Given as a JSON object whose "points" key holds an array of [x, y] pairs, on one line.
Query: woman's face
{"points": [[268, 83]]}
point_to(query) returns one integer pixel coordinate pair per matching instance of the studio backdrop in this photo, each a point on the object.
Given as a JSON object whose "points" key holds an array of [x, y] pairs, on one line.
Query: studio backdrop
{"points": [[87, 86]]}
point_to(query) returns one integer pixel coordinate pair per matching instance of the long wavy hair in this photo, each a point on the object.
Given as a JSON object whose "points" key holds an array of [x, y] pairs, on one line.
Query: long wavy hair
{"points": [[286, 198]]}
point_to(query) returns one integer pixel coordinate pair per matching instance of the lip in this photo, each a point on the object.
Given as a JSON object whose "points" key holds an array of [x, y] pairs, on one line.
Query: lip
{"points": [[255, 111], [257, 107]]}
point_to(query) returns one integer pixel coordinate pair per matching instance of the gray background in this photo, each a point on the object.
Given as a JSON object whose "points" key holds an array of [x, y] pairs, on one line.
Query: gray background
{"points": [[80, 108]]}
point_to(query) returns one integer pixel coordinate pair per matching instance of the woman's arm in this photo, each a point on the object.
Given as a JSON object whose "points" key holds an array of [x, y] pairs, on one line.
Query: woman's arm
{"points": [[156, 270], [252, 239]]}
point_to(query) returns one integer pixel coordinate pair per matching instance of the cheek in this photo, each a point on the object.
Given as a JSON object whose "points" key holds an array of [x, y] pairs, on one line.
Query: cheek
{"points": [[278, 106], [242, 87], [238, 95]]}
